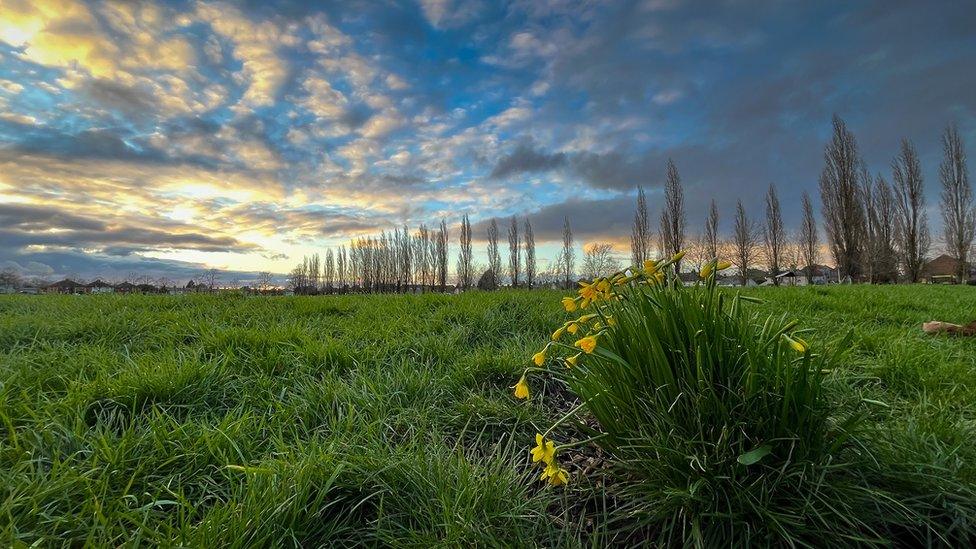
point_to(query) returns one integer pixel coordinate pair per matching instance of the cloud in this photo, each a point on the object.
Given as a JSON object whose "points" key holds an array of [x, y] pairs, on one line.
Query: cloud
{"points": [[41, 226], [255, 46], [590, 220], [526, 158]]}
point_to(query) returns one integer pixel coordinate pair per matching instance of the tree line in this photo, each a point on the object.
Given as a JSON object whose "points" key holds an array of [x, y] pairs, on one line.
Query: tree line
{"points": [[875, 231]]}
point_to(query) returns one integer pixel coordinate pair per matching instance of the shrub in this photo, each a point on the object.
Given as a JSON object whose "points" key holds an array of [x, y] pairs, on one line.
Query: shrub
{"points": [[717, 423]]}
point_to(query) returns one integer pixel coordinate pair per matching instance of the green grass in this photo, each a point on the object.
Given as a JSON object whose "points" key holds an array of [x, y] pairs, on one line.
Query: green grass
{"points": [[383, 420]]}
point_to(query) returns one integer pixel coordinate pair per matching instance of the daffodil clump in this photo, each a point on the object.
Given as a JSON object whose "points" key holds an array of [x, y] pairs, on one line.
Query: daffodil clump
{"points": [[692, 394]]}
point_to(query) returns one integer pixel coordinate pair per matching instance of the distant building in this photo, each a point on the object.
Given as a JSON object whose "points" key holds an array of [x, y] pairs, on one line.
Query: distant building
{"points": [[66, 286], [100, 287], [125, 288], [822, 274], [942, 270], [787, 278], [7, 289]]}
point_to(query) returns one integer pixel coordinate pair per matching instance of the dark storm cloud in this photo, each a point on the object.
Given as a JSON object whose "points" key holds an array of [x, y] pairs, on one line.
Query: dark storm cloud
{"points": [[24, 225], [130, 100], [39, 218], [102, 143], [589, 219], [611, 171], [51, 266], [526, 158]]}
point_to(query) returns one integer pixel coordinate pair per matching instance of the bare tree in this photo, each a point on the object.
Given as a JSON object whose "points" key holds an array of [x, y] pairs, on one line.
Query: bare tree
{"points": [[599, 260], [958, 212], [673, 215], [881, 241], [841, 197], [567, 259], [494, 257], [342, 268], [465, 273], [710, 236], [743, 241], [640, 235], [697, 253], [264, 280], [514, 252], [329, 271], [530, 265], [911, 221], [442, 252], [774, 235], [209, 278], [10, 278]]}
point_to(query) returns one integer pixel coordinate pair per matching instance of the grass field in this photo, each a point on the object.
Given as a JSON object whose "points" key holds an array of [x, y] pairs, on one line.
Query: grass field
{"points": [[378, 420]]}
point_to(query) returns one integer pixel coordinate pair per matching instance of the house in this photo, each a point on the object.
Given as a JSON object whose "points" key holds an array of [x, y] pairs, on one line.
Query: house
{"points": [[66, 286], [100, 287], [822, 274], [125, 288], [943, 270], [787, 278]]}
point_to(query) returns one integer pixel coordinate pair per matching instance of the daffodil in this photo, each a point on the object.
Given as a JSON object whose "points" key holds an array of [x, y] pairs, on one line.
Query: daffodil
{"points": [[544, 451], [650, 266], [677, 257], [539, 358], [521, 388], [573, 360], [707, 270], [722, 265], [587, 291], [587, 344], [796, 343], [556, 475], [569, 304], [559, 332], [572, 328], [611, 321]]}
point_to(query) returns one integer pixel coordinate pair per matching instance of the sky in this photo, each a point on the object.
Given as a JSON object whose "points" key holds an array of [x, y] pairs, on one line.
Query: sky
{"points": [[167, 138]]}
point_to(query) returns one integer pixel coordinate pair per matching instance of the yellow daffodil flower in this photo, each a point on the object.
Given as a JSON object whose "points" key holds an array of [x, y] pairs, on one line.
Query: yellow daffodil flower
{"points": [[559, 332], [650, 265], [722, 265], [677, 257], [588, 291], [573, 360], [521, 388], [797, 344], [569, 304], [544, 451], [539, 358], [707, 270], [557, 475], [587, 344], [572, 328]]}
